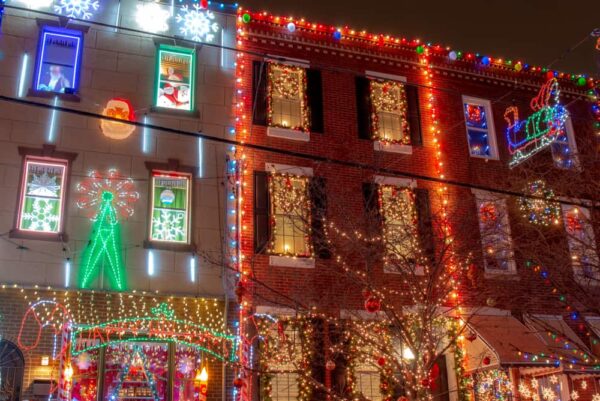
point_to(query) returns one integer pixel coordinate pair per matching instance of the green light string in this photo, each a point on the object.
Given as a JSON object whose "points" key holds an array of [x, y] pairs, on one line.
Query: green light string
{"points": [[104, 245]]}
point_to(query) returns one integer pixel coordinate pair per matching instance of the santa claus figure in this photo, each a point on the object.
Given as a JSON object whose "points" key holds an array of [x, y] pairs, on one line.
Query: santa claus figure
{"points": [[174, 97]]}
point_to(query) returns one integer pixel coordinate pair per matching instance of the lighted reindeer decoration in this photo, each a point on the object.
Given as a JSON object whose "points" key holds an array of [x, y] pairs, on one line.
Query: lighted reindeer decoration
{"points": [[540, 129]]}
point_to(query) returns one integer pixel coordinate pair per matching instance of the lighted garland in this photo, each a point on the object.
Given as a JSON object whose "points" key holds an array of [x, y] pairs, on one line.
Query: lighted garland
{"points": [[389, 97], [540, 207], [399, 225], [290, 199], [278, 349], [287, 82]]}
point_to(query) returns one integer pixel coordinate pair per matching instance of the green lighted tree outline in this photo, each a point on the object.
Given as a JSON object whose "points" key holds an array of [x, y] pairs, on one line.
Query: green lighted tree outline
{"points": [[109, 195]]}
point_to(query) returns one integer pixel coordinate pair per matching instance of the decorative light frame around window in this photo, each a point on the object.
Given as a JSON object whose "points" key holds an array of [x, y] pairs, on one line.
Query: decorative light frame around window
{"points": [[161, 95], [68, 36], [56, 229], [490, 209], [286, 91], [388, 98], [184, 213], [489, 128], [577, 224], [298, 209], [404, 210]]}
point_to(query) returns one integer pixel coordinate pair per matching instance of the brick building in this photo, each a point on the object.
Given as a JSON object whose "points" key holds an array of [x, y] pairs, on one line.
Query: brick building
{"points": [[341, 124], [112, 282]]}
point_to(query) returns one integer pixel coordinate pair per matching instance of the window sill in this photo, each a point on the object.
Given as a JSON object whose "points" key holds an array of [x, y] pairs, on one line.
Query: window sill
{"points": [[290, 261], [69, 97], [499, 275], [39, 236], [175, 112], [169, 246], [287, 133], [392, 147]]}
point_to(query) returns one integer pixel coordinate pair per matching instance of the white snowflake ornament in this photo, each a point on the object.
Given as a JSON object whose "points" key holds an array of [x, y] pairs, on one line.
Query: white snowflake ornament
{"points": [[81, 9], [574, 395], [152, 17], [596, 397], [197, 23], [42, 216], [168, 226]]}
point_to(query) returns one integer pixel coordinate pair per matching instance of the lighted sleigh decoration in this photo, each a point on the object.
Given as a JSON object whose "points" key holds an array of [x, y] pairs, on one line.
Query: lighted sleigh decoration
{"points": [[74, 339], [540, 129]]}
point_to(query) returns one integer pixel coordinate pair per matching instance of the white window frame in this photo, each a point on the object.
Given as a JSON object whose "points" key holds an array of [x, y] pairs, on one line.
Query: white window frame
{"points": [[492, 140], [288, 133], [572, 143], [589, 231], [483, 196], [289, 261]]}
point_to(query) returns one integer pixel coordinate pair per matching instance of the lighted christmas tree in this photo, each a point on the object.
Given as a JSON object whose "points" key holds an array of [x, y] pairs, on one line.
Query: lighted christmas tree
{"points": [[110, 195]]}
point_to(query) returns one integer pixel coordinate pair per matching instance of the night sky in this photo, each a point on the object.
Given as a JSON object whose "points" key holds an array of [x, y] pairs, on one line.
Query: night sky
{"points": [[534, 31]]}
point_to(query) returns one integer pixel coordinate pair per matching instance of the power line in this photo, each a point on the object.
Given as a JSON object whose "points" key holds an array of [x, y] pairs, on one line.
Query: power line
{"points": [[269, 149]]}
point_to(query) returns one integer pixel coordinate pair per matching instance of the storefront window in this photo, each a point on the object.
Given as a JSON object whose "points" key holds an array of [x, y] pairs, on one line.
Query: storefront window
{"points": [[188, 363]]}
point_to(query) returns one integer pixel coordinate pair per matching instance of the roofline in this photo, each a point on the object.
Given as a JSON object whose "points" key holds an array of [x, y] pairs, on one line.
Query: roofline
{"points": [[440, 55]]}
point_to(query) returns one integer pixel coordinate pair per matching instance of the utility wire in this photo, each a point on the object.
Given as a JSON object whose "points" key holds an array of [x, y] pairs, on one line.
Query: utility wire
{"points": [[269, 149]]}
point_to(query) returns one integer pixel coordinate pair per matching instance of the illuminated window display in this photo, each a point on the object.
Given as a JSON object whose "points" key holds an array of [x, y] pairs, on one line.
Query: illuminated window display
{"points": [[171, 198], [58, 61], [175, 78], [42, 195]]}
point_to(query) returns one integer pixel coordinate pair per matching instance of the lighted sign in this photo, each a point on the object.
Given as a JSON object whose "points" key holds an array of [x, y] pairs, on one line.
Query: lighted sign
{"points": [[175, 78], [540, 129], [58, 61], [42, 195], [170, 207], [122, 110]]}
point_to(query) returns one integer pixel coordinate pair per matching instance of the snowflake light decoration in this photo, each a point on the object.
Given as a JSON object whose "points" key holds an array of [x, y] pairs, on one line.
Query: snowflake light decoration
{"points": [[82, 9], [152, 17], [42, 216], [550, 395], [93, 188], [169, 225], [553, 379], [584, 385], [596, 397], [43, 185], [574, 395], [197, 23]]}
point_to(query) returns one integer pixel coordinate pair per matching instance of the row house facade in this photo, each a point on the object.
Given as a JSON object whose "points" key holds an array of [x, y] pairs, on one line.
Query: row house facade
{"points": [[351, 138], [199, 201], [112, 286]]}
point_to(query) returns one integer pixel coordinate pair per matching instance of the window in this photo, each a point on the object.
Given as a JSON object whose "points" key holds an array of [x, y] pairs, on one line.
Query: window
{"points": [[388, 112], [290, 211], [170, 207], [58, 62], [42, 193], [389, 119], [564, 148], [175, 78], [495, 234], [397, 207], [582, 242], [287, 97], [480, 128]]}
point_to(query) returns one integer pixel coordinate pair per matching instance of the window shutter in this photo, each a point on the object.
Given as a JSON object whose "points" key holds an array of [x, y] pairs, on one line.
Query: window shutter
{"points": [[318, 359], [373, 213], [314, 92], [424, 226], [259, 92], [440, 383], [414, 115], [262, 224], [363, 108], [318, 197]]}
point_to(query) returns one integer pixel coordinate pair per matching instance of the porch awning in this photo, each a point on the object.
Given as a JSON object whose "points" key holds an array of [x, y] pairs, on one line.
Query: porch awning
{"points": [[502, 340]]}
